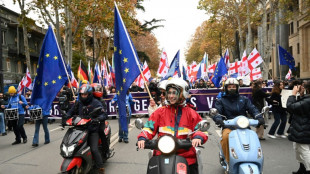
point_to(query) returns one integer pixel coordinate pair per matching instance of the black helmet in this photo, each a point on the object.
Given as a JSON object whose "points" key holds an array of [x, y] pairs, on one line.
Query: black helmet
{"points": [[86, 89]]}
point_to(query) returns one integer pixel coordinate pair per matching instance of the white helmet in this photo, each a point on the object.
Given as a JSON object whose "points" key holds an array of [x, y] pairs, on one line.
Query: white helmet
{"points": [[232, 81], [162, 84], [180, 85]]}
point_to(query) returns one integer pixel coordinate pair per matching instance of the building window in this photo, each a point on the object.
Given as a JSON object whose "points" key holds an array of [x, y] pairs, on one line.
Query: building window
{"points": [[3, 38], [8, 65], [19, 67], [291, 50], [298, 48], [36, 46], [292, 28]]}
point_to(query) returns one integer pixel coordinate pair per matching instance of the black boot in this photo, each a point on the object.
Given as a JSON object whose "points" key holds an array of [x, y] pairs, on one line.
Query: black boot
{"points": [[301, 170]]}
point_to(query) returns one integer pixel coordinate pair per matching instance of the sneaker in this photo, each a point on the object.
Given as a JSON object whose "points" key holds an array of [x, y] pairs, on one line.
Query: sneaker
{"points": [[120, 140], [35, 145], [16, 142], [46, 142], [25, 140], [126, 141], [282, 136], [271, 136]]}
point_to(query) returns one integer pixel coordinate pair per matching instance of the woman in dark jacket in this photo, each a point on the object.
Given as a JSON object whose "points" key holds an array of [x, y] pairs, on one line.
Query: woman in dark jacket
{"points": [[258, 98], [278, 111], [300, 126]]}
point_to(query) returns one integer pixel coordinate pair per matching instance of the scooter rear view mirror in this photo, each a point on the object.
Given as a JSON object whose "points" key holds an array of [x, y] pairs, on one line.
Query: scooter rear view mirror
{"points": [[139, 123], [203, 125], [213, 112]]}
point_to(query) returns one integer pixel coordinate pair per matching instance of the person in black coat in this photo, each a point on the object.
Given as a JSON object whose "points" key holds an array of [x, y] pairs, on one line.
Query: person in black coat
{"points": [[300, 126], [85, 105], [278, 111], [232, 105], [258, 98]]}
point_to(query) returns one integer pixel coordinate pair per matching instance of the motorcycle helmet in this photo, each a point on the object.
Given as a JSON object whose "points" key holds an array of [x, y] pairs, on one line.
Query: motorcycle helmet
{"points": [[97, 90], [162, 84], [231, 81], [86, 89], [182, 88]]}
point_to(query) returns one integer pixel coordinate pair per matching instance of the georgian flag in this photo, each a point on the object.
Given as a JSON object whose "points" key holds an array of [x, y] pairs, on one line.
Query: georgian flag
{"points": [[146, 73], [234, 67], [211, 68], [163, 65], [21, 85], [244, 67], [256, 74], [289, 74], [226, 58], [254, 59]]}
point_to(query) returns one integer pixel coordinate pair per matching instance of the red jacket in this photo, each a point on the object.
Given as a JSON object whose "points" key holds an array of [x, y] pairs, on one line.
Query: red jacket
{"points": [[162, 121]]}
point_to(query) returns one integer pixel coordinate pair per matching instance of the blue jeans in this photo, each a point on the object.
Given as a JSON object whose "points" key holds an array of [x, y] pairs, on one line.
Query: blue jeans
{"points": [[277, 117], [44, 122], [2, 124], [123, 134]]}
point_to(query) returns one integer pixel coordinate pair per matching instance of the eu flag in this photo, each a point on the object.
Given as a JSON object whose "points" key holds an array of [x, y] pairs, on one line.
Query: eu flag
{"points": [[220, 70], [51, 72], [126, 63], [286, 58], [174, 67]]}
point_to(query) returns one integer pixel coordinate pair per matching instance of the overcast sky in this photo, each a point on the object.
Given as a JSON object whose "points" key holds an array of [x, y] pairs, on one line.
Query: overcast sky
{"points": [[181, 20]]}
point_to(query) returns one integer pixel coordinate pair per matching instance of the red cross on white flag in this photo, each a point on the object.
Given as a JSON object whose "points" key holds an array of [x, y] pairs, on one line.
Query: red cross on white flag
{"points": [[254, 59], [234, 67], [256, 74], [163, 64]]}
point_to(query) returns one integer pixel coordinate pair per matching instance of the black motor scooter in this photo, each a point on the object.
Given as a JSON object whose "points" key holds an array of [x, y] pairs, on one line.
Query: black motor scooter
{"points": [[75, 149], [169, 162]]}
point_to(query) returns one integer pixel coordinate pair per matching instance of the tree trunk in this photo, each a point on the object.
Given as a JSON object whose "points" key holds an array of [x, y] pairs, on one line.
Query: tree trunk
{"points": [[84, 43], [26, 45], [264, 44], [249, 46], [239, 28], [70, 37]]}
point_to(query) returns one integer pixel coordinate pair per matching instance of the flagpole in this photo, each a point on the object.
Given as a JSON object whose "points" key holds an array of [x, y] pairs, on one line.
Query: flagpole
{"points": [[79, 74], [63, 63], [134, 53]]}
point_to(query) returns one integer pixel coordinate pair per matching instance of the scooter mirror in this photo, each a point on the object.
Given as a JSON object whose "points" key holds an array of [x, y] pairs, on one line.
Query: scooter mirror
{"points": [[203, 125], [139, 123], [213, 112]]}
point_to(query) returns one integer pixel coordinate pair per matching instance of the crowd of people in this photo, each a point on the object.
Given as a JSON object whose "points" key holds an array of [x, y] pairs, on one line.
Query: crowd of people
{"points": [[172, 97]]}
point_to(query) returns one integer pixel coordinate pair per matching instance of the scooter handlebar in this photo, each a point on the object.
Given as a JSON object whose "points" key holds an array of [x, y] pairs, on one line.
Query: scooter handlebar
{"points": [[184, 143]]}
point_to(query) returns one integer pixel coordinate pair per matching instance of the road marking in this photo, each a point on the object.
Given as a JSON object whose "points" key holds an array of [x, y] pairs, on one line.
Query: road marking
{"points": [[219, 132], [55, 129]]}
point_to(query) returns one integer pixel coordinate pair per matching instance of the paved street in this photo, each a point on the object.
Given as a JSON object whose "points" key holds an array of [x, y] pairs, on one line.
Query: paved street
{"points": [[23, 158]]}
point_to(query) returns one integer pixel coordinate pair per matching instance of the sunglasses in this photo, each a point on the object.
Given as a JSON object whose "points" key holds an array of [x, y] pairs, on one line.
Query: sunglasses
{"points": [[163, 93]]}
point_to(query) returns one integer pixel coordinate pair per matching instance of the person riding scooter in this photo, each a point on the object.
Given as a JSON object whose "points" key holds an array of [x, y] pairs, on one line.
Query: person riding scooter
{"points": [[175, 119], [88, 102], [98, 94], [232, 105]]}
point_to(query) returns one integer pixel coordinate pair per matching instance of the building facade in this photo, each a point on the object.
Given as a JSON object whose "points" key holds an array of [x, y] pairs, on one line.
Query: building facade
{"points": [[13, 51]]}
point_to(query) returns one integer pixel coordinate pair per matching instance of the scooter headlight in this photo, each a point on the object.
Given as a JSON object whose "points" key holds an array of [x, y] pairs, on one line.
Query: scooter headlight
{"points": [[67, 151], [166, 144], [243, 122]]}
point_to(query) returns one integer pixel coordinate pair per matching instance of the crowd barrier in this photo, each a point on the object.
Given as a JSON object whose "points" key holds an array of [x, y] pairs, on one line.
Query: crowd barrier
{"points": [[202, 99]]}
